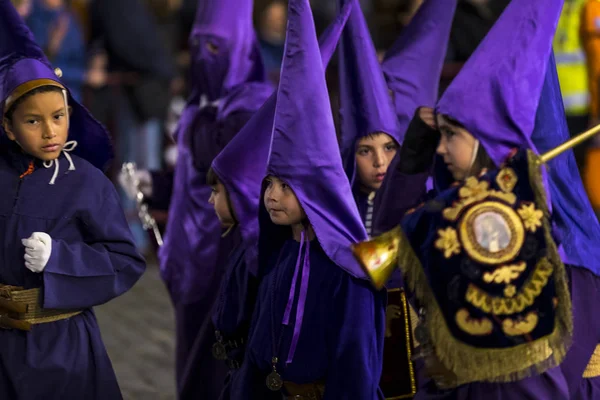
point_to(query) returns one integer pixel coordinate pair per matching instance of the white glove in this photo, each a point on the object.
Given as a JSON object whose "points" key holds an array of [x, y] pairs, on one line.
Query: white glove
{"points": [[38, 249], [141, 179]]}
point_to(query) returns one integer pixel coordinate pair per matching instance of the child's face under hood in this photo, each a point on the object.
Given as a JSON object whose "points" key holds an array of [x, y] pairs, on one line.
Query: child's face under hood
{"points": [[374, 153], [40, 124], [281, 203], [457, 147]]}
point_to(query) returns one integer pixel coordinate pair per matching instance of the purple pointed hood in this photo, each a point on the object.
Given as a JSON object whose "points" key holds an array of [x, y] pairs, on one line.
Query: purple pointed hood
{"points": [[413, 65], [304, 149], [242, 164], [227, 69], [365, 103], [224, 48], [496, 94], [576, 224], [23, 62]]}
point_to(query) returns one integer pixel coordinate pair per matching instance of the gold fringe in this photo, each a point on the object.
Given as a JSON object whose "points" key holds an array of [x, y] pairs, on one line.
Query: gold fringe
{"points": [[471, 364]]}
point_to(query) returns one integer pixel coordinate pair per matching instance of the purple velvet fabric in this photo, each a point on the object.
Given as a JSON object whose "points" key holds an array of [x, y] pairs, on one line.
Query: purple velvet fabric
{"points": [[93, 260], [585, 293], [341, 342], [496, 94], [575, 221]]}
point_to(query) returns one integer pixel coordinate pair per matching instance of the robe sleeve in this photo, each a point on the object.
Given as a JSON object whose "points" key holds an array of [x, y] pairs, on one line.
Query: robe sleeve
{"points": [[101, 267], [356, 342], [400, 193]]}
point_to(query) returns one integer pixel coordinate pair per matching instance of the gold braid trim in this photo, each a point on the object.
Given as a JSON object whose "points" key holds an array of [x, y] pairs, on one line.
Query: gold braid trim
{"points": [[471, 364], [34, 313]]}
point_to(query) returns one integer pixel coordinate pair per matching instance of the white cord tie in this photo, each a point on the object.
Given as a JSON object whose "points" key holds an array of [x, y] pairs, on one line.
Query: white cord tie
{"points": [[68, 147]]}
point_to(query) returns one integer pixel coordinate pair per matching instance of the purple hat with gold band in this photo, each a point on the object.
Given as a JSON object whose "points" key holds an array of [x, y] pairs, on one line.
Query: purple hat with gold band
{"points": [[24, 67]]}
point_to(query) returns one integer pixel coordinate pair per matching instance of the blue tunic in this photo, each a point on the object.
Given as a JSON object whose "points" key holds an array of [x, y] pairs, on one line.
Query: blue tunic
{"points": [[341, 341], [93, 260]]}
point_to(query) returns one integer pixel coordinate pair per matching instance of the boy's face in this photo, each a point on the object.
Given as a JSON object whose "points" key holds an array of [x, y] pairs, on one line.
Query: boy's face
{"points": [[218, 198], [40, 125], [456, 146], [374, 153], [281, 203]]}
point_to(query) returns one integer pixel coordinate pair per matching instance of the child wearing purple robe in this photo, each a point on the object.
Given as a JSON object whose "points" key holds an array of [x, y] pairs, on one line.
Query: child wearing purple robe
{"points": [[228, 85], [373, 126], [236, 178], [317, 329], [525, 116], [66, 246]]}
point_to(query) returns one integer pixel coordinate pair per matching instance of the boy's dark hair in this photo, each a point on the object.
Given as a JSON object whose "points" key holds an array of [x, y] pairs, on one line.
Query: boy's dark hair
{"points": [[482, 158], [42, 89], [211, 177], [482, 161]]}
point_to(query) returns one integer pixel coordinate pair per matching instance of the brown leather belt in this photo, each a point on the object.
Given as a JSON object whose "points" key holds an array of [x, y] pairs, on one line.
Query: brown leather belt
{"points": [[20, 308], [308, 391]]}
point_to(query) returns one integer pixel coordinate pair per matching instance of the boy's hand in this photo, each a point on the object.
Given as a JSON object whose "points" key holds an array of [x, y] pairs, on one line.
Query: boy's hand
{"points": [[38, 248]]}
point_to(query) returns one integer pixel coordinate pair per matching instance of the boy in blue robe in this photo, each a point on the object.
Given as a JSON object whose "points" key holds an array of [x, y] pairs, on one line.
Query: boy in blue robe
{"points": [[65, 244]]}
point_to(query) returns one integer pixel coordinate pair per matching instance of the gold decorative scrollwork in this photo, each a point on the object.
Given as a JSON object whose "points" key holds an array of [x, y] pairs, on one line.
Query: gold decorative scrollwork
{"points": [[473, 326], [507, 180], [448, 242], [532, 217], [472, 192], [505, 274], [523, 298], [521, 326]]}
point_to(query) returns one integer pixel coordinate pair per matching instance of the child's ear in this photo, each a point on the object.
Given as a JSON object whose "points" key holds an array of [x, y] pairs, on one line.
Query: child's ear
{"points": [[8, 128]]}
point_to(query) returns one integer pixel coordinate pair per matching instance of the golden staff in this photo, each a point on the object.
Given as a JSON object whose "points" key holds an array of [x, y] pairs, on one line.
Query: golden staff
{"points": [[569, 144]]}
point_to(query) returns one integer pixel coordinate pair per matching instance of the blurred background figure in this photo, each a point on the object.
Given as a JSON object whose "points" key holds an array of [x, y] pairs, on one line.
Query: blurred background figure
{"points": [[59, 33], [141, 64], [572, 70], [23, 7], [271, 34]]}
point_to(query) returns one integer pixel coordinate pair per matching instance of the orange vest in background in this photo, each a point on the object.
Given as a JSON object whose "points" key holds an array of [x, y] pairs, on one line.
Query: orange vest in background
{"points": [[590, 39]]}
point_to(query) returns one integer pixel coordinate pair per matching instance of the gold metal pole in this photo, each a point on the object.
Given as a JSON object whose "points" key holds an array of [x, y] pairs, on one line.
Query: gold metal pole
{"points": [[569, 144]]}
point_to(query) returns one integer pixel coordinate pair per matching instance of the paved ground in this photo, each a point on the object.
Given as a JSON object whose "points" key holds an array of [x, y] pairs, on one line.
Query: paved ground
{"points": [[138, 330]]}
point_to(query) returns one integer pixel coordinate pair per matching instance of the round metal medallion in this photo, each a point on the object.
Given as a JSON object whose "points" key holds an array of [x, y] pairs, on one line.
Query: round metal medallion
{"points": [[219, 352], [491, 233], [274, 381]]}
